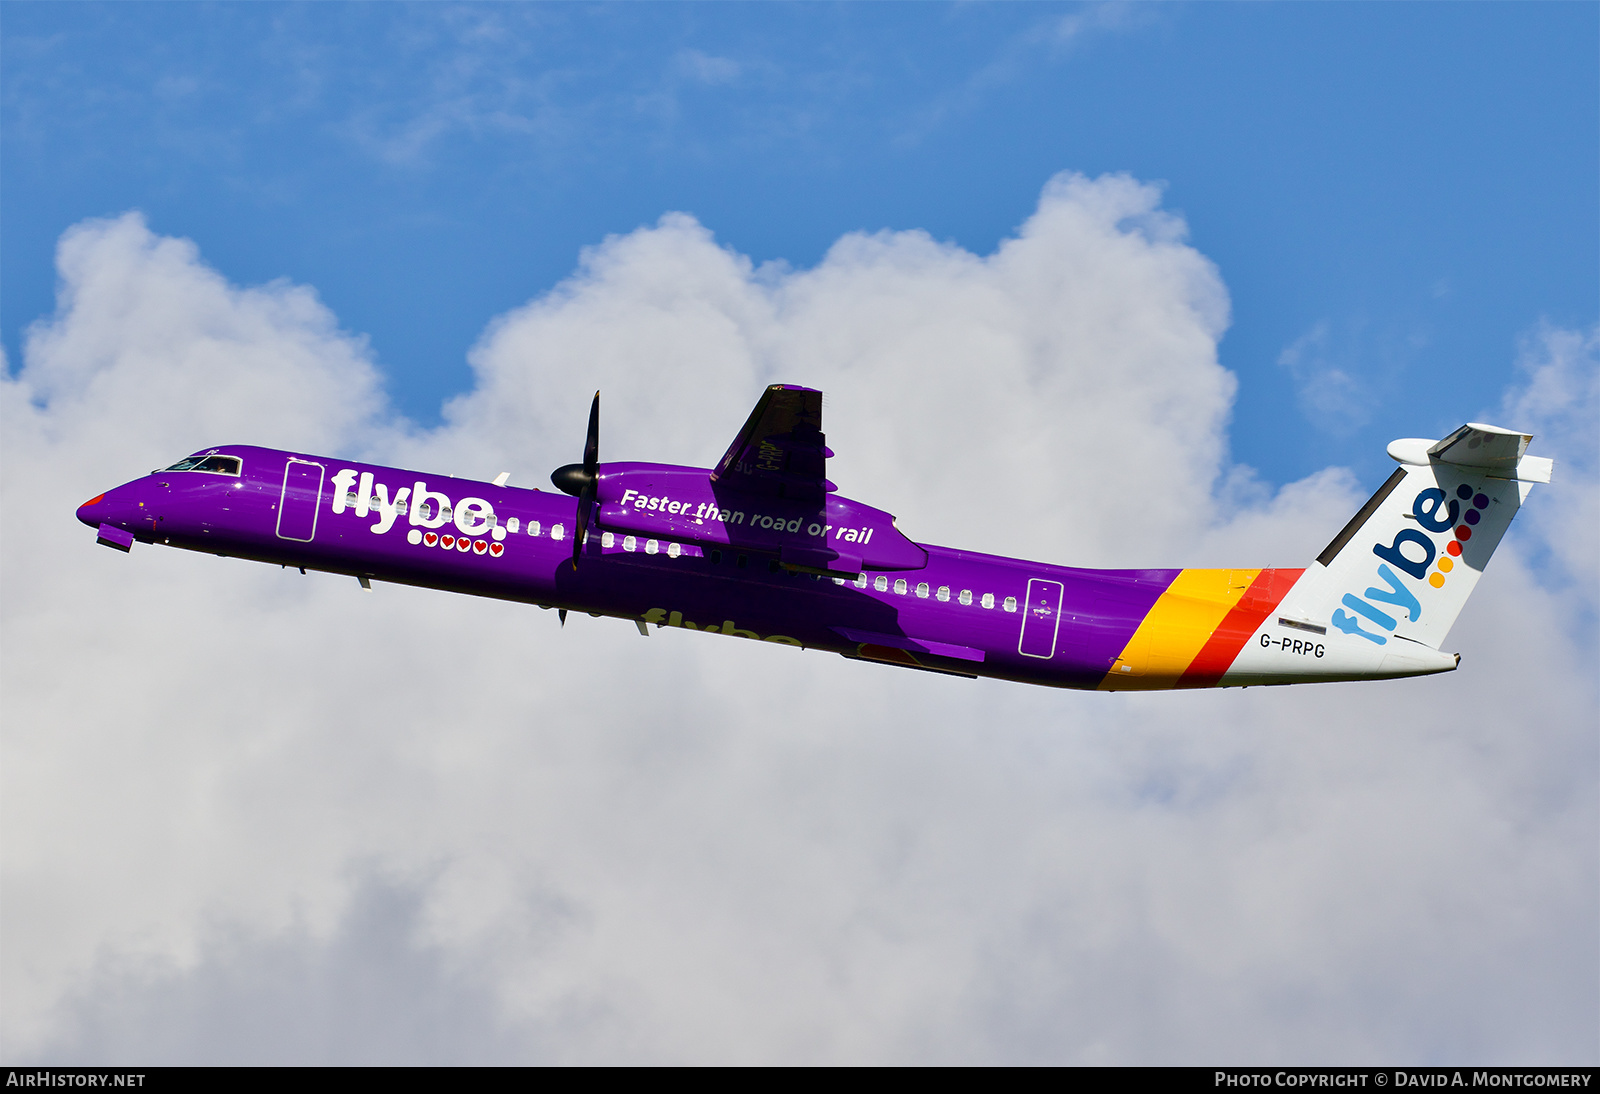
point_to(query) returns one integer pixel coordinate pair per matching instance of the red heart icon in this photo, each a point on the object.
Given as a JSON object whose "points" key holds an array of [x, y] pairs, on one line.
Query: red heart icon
{"points": [[497, 549], [430, 538], [448, 541], [463, 544], [479, 546]]}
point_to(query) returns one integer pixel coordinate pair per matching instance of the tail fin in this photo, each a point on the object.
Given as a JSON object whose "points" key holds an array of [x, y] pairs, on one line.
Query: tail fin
{"points": [[1406, 563]]}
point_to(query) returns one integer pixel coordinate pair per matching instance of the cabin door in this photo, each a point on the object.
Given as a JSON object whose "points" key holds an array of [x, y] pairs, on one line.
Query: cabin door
{"points": [[1041, 619], [297, 505]]}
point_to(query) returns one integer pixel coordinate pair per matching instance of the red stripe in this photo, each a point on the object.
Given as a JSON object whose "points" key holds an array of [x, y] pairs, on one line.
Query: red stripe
{"points": [[1265, 593]]}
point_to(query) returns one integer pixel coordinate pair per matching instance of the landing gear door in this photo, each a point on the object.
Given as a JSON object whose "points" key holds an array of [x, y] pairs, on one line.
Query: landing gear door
{"points": [[301, 497], [1041, 619]]}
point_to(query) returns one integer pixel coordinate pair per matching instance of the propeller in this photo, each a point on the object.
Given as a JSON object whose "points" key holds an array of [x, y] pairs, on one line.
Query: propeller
{"points": [[581, 479]]}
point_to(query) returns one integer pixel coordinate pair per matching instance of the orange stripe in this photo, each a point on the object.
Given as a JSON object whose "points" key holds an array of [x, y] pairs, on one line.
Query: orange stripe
{"points": [[1177, 627], [1266, 592]]}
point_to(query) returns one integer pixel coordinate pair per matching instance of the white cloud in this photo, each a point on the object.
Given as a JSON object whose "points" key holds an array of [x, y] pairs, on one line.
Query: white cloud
{"points": [[1083, 353], [254, 815], [1330, 397], [1558, 399]]}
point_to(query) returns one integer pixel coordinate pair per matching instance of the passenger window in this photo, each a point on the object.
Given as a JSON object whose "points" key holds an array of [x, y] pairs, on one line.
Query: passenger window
{"points": [[1011, 604], [557, 532], [966, 596], [607, 539], [900, 586], [533, 527], [628, 542], [861, 581], [881, 584], [651, 546], [988, 600], [943, 595], [512, 525], [922, 589], [674, 550]]}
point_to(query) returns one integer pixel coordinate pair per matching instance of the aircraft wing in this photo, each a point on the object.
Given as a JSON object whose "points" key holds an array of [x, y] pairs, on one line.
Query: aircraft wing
{"points": [[780, 452]]}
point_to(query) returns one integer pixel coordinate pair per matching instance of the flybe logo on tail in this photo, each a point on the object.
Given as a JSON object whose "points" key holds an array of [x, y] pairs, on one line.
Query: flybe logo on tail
{"points": [[1412, 553]]}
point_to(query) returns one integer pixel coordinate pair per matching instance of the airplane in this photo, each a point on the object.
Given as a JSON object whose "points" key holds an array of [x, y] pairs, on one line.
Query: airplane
{"points": [[762, 547]]}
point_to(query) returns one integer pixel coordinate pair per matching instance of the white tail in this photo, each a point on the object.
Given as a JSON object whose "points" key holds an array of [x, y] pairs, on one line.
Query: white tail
{"points": [[1406, 563]]}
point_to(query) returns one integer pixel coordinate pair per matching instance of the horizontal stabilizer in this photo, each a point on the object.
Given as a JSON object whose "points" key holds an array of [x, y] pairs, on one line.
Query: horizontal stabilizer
{"points": [[1489, 449]]}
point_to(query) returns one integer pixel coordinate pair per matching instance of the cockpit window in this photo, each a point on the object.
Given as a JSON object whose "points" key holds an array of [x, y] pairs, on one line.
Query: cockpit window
{"points": [[220, 465], [216, 465]]}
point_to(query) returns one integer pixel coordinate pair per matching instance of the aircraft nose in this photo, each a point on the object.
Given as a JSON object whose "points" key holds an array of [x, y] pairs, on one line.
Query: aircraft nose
{"points": [[92, 511], [117, 507]]}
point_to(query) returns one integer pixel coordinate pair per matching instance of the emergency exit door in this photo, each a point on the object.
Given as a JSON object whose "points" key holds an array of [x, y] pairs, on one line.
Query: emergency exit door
{"points": [[1041, 619]]}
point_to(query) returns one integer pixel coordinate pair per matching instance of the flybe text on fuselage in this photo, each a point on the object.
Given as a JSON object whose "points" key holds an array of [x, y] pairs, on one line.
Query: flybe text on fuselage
{"points": [[427, 508]]}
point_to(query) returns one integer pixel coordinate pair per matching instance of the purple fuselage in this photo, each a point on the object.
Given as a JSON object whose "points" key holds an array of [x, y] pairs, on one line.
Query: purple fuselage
{"points": [[940, 609]]}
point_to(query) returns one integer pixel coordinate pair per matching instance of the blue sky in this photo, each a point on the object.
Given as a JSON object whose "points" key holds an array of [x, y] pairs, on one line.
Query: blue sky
{"points": [[1394, 194]]}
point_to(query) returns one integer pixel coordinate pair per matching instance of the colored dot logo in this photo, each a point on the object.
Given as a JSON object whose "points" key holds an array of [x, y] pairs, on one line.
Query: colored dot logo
{"points": [[1463, 533]]}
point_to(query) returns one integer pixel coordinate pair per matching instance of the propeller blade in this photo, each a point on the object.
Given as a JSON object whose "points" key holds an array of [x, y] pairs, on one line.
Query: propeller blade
{"points": [[591, 445], [562, 612], [581, 479], [585, 503]]}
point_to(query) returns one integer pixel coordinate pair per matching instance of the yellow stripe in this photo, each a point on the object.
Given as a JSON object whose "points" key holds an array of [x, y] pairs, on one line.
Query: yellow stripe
{"points": [[1176, 628]]}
